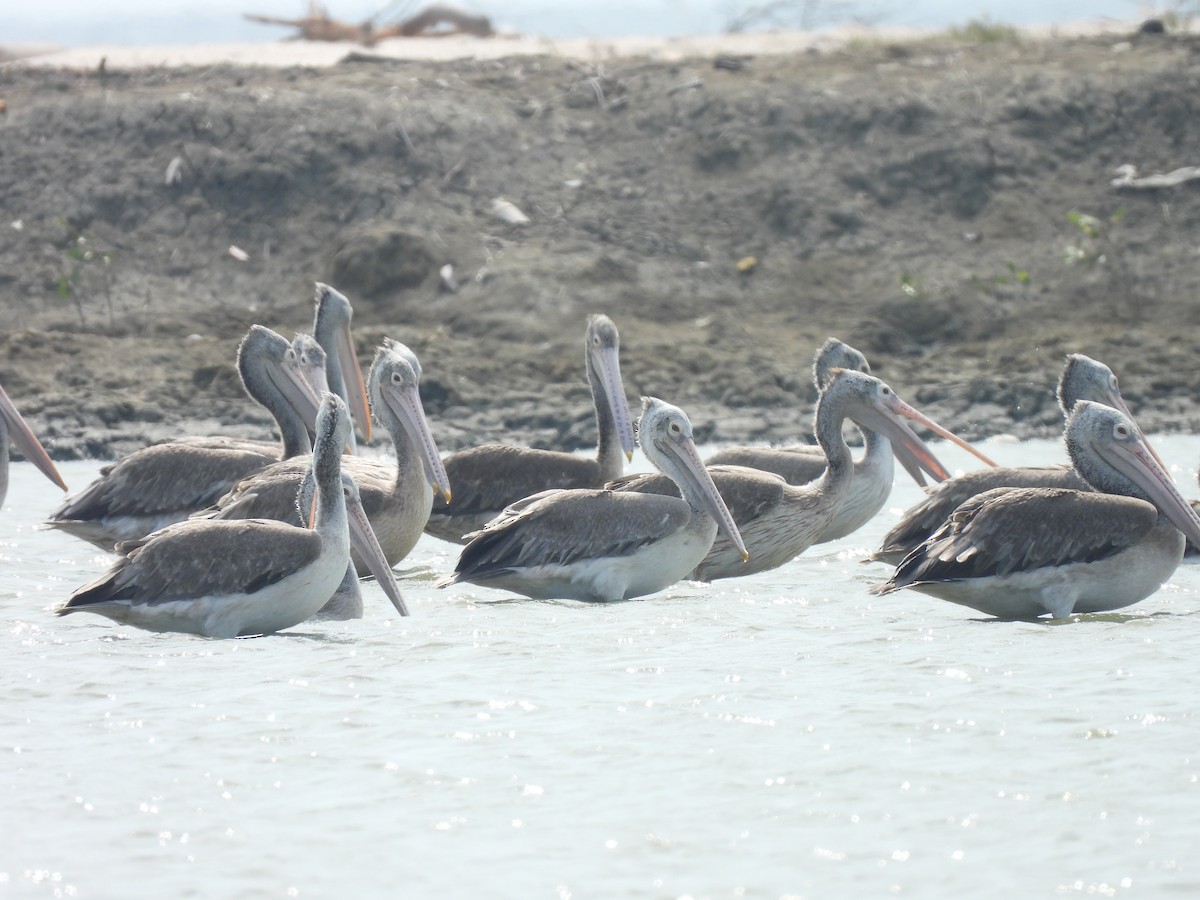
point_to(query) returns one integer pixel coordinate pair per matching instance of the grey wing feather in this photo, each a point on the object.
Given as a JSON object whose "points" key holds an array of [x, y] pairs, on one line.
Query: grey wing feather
{"points": [[567, 526], [1009, 530], [925, 517], [180, 475], [267, 494], [199, 558], [748, 493], [796, 465], [493, 476]]}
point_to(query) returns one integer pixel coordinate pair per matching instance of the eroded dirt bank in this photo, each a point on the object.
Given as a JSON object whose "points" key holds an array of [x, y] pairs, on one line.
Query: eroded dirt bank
{"points": [[915, 200]]}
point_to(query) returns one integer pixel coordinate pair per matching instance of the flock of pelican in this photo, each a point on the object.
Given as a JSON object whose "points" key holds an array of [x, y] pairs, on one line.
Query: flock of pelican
{"points": [[228, 538]]}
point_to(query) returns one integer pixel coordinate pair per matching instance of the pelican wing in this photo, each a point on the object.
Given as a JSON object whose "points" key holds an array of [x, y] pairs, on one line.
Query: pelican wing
{"points": [[199, 558], [748, 493], [177, 475], [927, 516], [565, 527], [1010, 530], [490, 477], [796, 465]]}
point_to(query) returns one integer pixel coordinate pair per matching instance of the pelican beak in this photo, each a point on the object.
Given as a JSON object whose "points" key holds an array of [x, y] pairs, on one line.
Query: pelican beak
{"points": [[290, 380], [608, 364], [911, 464], [1141, 464], [693, 468], [26, 441], [362, 537], [356, 390], [888, 416], [312, 512], [405, 403]]}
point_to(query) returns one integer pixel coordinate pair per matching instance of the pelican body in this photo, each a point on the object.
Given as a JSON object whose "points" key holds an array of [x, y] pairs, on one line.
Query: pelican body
{"points": [[599, 545], [779, 521], [164, 483], [14, 428], [1019, 553], [230, 579], [487, 479], [874, 471], [1083, 378], [396, 496]]}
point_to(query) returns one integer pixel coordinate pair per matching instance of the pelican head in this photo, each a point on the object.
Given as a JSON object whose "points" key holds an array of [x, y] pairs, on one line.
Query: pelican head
{"points": [[835, 354], [873, 404], [1084, 378], [603, 345], [394, 383], [271, 374], [1108, 450], [331, 328], [665, 436], [310, 357]]}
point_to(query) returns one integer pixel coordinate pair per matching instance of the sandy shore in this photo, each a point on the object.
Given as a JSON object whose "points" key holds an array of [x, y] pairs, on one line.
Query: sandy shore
{"points": [[943, 202]]}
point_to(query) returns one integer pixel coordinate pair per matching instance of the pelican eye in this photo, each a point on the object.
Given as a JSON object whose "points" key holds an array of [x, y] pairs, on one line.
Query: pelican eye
{"points": [[290, 355], [397, 378], [1121, 431], [675, 428], [1112, 382]]}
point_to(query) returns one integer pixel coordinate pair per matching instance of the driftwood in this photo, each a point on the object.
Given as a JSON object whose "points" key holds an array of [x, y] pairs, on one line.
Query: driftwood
{"points": [[433, 21]]}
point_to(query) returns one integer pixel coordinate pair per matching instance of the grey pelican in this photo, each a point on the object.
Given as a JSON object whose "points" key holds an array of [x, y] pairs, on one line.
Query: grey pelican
{"points": [[229, 579], [1019, 553], [1083, 378], [396, 496], [487, 479], [346, 601], [779, 521], [166, 482], [600, 545], [873, 471], [13, 427], [331, 328]]}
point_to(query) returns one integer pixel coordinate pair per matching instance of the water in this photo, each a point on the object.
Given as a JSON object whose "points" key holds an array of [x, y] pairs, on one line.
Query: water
{"points": [[783, 734]]}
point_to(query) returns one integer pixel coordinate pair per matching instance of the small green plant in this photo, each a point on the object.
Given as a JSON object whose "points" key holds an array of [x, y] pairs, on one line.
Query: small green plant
{"points": [[1095, 240], [86, 271], [910, 286], [1013, 280], [985, 31]]}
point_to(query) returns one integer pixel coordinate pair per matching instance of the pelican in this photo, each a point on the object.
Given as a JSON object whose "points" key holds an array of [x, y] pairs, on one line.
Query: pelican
{"points": [[1019, 553], [396, 496], [231, 579], [600, 545], [874, 472], [14, 427], [346, 601], [166, 482], [331, 328], [779, 521], [487, 479], [1083, 378]]}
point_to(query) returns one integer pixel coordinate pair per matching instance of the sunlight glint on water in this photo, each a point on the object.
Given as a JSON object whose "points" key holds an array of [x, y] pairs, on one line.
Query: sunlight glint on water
{"points": [[781, 734]]}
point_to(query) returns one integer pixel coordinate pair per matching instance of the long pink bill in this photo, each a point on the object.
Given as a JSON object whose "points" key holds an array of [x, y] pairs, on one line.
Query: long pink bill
{"points": [[26, 441]]}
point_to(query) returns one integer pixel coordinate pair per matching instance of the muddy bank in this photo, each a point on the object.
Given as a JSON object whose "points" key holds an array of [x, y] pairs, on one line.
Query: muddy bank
{"points": [[944, 206]]}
